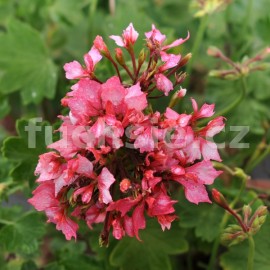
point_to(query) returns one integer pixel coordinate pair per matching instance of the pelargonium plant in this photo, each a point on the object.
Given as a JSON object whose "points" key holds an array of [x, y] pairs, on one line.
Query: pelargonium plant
{"points": [[118, 160]]}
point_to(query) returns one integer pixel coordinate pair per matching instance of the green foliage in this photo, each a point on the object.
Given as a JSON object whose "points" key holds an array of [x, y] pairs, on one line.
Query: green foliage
{"points": [[25, 64], [24, 150], [21, 234], [153, 251], [236, 257], [203, 218]]}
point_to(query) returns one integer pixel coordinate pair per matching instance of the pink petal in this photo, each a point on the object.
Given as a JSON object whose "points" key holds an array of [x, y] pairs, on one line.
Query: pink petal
{"points": [[85, 167], [118, 230], [195, 192], [171, 60], [73, 70], [163, 83], [95, 214], [123, 205], [95, 55], [128, 226], [113, 91], [165, 221], [44, 196], [176, 43], [118, 40], [209, 150], [138, 220], [160, 205], [105, 180], [171, 114], [135, 93], [155, 34], [145, 141], [205, 171], [68, 227], [213, 127]]}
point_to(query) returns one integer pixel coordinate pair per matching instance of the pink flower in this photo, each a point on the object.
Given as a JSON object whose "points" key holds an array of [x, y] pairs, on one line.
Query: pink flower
{"points": [[171, 60], [205, 111], [49, 167], [165, 221], [128, 38], [157, 38], [117, 159], [155, 35], [105, 180], [163, 83], [74, 70]]}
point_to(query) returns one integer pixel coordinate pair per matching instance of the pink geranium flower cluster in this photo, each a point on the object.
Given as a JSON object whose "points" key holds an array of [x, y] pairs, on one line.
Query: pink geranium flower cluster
{"points": [[117, 157]]}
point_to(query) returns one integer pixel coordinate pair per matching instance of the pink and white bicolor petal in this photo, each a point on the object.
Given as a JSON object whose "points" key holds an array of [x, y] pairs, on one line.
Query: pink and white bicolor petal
{"points": [[105, 180]]}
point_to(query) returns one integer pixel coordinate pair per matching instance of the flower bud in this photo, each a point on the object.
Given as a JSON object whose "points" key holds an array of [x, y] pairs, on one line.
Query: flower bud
{"points": [[177, 96], [261, 211], [125, 185], [214, 51], [142, 57], [219, 199], [119, 56], [179, 78], [246, 212], [185, 59], [101, 46]]}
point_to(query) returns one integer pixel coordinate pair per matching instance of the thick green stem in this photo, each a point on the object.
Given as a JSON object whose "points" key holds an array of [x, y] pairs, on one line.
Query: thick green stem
{"points": [[251, 253], [6, 222], [197, 43]]}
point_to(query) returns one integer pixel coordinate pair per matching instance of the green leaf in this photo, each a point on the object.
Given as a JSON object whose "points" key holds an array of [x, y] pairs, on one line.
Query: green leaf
{"points": [[152, 253], [204, 218], [72, 255], [29, 265], [25, 64], [4, 107], [24, 149], [23, 234], [69, 11], [237, 256]]}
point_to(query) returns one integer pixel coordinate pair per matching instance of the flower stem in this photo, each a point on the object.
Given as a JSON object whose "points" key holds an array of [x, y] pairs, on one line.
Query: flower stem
{"points": [[251, 252], [6, 222], [224, 222], [198, 41], [257, 159]]}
